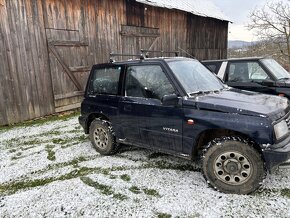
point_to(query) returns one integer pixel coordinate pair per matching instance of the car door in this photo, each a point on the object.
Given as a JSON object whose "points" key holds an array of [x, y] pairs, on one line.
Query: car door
{"points": [[249, 75], [154, 124], [103, 91]]}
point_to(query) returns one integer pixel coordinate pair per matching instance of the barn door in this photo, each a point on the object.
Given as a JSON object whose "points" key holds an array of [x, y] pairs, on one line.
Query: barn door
{"points": [[68, 51], [135, 38]]}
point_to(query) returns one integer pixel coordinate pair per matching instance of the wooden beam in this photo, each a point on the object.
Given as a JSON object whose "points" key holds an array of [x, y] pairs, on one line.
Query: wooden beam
{"points": [[69, 95], [68, 43], [153, 35], [67, 107], [80, 69], [155, 40]]}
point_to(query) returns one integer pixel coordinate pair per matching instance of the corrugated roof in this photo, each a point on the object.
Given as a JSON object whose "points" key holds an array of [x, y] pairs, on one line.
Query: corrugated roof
{"points": [[204, 8]]}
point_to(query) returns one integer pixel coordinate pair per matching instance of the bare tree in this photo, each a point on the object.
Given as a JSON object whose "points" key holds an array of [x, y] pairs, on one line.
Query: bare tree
{"points": [[272, 23]]}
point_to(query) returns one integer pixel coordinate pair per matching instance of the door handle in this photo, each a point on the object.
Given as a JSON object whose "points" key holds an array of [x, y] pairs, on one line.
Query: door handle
{"points": [[128, 108]]}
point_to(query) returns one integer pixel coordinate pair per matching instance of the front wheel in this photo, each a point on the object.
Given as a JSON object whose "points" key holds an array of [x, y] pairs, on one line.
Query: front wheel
{"points": [[231, 165]]}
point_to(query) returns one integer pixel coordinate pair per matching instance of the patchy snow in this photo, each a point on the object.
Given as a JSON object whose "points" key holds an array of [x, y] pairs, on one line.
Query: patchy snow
{"points": [[204, 8], [51, 170]]}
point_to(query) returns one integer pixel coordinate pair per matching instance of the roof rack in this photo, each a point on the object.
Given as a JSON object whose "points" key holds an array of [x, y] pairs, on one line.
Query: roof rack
{"points": [[159, 51], [112, 55], [141, 55]]}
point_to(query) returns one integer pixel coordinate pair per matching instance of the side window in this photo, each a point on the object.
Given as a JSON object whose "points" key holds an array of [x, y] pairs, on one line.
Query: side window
{"points": [[238, 72], [256, 72], [105, 81], [246, 71], [148, 82], [212, 67]]}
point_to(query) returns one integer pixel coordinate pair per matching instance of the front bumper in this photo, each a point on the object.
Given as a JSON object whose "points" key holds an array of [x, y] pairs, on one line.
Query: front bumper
{"points": [[277, 156]]}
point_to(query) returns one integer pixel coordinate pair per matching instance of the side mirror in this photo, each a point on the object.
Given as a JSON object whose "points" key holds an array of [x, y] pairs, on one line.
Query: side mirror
{"points": [[170, 100]]}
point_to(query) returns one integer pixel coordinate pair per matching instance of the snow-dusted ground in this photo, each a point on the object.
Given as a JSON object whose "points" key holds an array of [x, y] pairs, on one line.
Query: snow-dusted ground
{"points": [[51, 170]]}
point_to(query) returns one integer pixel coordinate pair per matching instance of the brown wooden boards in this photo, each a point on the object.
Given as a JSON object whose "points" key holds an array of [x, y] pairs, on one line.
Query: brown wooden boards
{"points": [[25, 85], [47, 47]]}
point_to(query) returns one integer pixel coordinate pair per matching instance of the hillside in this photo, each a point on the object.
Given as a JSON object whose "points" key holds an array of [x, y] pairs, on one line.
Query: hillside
{"points": [[239, 44]]}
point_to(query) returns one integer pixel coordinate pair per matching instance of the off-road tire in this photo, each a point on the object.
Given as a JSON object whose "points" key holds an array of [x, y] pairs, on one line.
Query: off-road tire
{"points": [[102, 137], [232, 165]]}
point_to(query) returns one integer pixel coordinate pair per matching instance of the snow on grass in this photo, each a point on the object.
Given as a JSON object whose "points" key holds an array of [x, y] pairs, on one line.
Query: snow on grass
{"points": [[52, 170]]}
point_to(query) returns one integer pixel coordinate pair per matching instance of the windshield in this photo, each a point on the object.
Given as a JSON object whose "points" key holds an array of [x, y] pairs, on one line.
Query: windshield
{"points": [[195, 77], [277, 70]]}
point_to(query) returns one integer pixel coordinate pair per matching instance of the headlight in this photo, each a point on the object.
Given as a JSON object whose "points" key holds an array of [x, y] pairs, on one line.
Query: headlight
{"points": [[281, 129]]}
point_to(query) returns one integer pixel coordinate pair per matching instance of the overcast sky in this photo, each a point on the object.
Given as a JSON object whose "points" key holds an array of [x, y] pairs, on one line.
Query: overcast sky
{"points": [[238, 11]]}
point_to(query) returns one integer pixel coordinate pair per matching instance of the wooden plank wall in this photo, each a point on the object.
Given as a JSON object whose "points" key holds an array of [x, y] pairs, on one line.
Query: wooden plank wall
{"points": [[68, 51], [204, 38], [34, 84], [24, 71], [103, 23]]}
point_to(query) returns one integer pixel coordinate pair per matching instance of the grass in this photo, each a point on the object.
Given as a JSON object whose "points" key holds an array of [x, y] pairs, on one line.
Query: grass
{"points": [[104, 189], [113, 177], [54, 166], [17, 156], [262, 191], [135, 190], [67, 142], [285, 192], [125, 177], [27, 148], [15, 144], [13, 141], [120, 197], [151, 192], [163, 215], [50, 152], [12, 150], [13, 187], [43, 120], [34, 142], [61, 141], [25, 156], [26, 183]]}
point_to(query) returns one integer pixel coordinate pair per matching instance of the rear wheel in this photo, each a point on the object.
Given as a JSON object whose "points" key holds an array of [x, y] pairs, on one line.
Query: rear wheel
{"points": [[102, 137], [231, 165]]}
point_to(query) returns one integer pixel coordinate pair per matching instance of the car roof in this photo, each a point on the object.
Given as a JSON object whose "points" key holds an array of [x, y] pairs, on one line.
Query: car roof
{"points": [[236, 59]]}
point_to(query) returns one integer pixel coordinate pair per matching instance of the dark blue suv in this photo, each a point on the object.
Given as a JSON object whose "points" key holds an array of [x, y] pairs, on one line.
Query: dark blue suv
{"points": [[177, 106]]}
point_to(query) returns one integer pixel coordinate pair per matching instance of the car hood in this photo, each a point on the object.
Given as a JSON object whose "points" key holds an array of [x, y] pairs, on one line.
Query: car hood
{"points": [[242, 102]]}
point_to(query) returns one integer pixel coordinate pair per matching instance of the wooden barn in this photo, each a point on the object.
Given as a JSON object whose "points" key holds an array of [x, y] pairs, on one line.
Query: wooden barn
{"points": [[48, 46]]}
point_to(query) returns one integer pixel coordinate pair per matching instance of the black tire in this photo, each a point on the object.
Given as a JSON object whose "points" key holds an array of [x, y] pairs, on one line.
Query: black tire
{"points": [[102, 137], [232, 165]]}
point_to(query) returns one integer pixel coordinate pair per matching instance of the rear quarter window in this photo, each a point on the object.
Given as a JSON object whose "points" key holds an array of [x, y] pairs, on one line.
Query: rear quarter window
{"points": [[213, 66], [105, 81]]}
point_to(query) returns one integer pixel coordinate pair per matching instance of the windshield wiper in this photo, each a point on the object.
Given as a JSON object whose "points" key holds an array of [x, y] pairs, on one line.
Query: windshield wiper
{"points": [[284, 78], [199, 92]]}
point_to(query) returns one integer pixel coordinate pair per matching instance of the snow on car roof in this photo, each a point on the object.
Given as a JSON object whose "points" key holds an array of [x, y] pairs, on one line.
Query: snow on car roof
{"points": [[204, 8]]}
